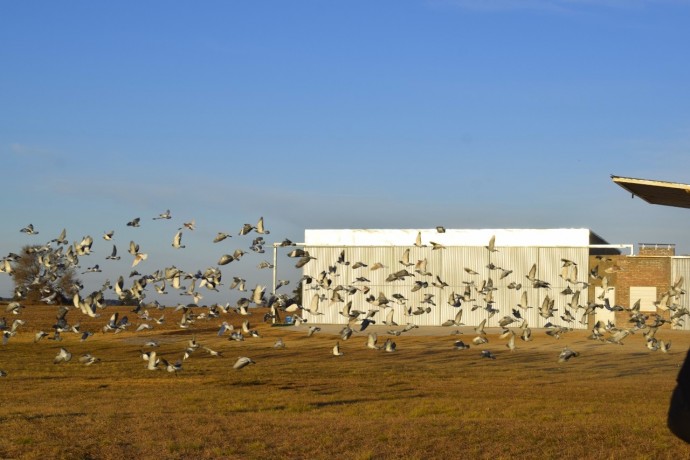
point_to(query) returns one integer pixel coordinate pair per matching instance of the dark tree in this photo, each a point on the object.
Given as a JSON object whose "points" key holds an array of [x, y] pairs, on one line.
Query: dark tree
{"points": [[42, 273]]}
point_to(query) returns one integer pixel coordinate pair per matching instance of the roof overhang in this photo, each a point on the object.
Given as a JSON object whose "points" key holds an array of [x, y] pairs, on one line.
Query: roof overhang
{"points": [[656, 191]]}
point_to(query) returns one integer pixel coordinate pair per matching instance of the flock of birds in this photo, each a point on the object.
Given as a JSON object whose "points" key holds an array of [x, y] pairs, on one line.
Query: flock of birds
{"points": [[58, 261], [51, 270], [480, 295]]}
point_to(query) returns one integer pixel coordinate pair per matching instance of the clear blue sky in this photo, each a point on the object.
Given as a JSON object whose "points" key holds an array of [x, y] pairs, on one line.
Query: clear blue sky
{"points": [[338, 114]]}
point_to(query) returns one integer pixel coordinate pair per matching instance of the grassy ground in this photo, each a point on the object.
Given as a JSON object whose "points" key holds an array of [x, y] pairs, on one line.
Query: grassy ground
{"points": [[426, 400]]}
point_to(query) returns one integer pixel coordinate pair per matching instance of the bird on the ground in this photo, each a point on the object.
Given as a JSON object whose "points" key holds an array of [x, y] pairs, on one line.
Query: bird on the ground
{"points": [[336, 350], [566, 354], [389, 346], [62, 356], [88, 359], [175, 368], [460, 345], [480, 340]]}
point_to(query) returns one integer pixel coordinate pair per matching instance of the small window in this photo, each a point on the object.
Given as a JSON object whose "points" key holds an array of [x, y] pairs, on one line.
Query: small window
{"points": [[646, 295]]}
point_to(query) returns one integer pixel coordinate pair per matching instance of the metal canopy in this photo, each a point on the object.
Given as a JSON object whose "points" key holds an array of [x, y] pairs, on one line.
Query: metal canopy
{"points": [[656, 191]]}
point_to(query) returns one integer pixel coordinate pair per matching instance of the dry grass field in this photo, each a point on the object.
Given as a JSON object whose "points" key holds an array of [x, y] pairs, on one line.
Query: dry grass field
{"points": [[424, 401]]}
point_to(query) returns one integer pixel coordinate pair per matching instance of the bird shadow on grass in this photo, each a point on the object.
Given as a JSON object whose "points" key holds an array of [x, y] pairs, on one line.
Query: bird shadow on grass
{"points": [[345, 402]]}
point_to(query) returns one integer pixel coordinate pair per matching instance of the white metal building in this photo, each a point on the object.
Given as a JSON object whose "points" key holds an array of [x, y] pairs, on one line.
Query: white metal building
{"points": [[506, 269]]}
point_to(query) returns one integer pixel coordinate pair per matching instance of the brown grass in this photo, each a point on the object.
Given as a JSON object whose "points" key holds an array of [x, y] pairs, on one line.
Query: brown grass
{"points": [[424, 401]]}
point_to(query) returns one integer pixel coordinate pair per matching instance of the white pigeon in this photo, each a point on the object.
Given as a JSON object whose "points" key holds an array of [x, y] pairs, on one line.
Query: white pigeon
{"points": [[243, 362]]}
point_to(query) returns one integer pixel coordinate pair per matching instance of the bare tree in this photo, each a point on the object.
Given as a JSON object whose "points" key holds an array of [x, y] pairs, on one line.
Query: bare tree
{"points": [[43, 273]]}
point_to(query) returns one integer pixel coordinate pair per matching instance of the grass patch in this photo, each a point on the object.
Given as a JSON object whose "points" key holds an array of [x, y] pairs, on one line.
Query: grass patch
{"points": [[427, 400]]}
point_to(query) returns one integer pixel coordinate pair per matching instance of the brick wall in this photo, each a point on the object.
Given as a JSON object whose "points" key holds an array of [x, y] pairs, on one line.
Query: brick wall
{"points": [[667, 250], [649, 269]]}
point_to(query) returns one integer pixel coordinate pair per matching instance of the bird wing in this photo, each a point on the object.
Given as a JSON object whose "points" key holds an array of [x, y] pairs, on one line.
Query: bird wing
{"points": [[177, 239], [458, 317], [336, 349], [260, 226], [371, 340], [406, 257], [523, 300], [314, 307], [492, 243], [152, 361], [257, 295]]}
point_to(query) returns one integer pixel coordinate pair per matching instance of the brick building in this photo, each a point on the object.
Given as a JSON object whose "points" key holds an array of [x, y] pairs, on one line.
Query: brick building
{"points": [[645, 277]]}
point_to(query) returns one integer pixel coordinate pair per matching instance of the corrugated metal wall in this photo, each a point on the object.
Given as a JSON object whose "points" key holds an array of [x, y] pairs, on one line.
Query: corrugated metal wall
{"points": [[449, 265], [680, 266]]}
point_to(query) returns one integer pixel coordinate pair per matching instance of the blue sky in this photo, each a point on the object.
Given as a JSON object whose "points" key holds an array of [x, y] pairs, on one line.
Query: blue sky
{"points": [[338, 114]]}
